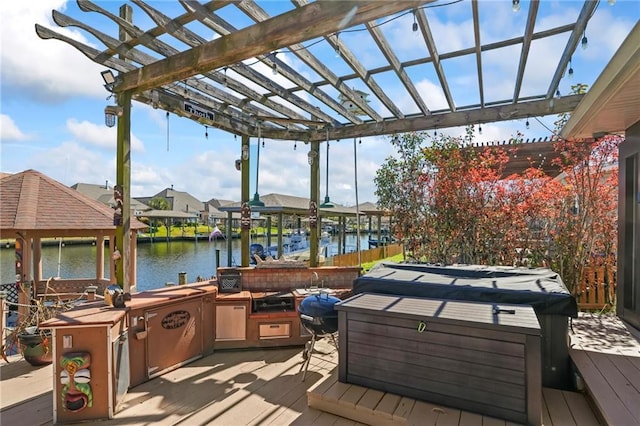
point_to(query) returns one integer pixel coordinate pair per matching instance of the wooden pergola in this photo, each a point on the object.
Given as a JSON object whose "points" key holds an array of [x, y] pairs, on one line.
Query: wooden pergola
{"points": [[177, 65]]}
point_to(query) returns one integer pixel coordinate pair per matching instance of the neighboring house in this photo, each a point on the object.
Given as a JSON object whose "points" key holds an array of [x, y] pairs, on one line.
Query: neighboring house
{"points": [[180, 201], [213, 215], [104, 194]]}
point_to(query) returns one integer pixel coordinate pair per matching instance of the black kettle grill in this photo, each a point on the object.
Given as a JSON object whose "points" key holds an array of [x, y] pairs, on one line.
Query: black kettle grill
{"points": [[320, 319]]}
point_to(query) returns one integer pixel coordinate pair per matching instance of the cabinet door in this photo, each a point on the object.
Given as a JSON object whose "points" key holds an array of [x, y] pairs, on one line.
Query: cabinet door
{"points": [[174, 335], [231, 322]]}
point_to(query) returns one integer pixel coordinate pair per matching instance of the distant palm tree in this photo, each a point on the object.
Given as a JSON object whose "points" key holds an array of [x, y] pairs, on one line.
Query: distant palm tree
{"points": [[159, 203]]}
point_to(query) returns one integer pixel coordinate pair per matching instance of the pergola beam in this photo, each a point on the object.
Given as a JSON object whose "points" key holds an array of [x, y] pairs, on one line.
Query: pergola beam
{"points": [[497, 113], [310, 21]]}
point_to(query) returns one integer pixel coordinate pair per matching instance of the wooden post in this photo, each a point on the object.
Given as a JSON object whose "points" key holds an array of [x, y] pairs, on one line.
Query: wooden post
{"points": [[3, 317], [100, 256], [123, 173], [244, 229], [24, 301], [314, 162]]}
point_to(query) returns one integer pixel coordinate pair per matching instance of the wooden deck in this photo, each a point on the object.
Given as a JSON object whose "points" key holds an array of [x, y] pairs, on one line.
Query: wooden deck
{"points": [[607, 356], [369, 406], [265, 387], [227, 388], [257, 387]]}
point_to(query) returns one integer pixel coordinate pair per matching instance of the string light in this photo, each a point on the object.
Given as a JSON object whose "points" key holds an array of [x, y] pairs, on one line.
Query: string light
{"points": [[274, 68], [558, 93], [611, 2], [570, 69], [295, 145], [585, 42], [526, 124], [206, 132], [515, 5], [415, 23], [360, 141], [263, 141], [337, 51], [479, 128], [224, 81]]}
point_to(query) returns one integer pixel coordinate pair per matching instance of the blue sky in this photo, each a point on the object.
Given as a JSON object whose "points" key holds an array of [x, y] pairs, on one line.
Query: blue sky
{"points": [[52, 100]]}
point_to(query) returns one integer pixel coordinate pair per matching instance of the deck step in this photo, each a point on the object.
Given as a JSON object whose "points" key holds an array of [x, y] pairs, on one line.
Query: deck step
{"points": [[373, 407], [612, 381]]}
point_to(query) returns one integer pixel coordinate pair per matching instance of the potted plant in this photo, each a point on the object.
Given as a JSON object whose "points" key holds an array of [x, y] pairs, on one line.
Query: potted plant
{"points": [[34, 342]]}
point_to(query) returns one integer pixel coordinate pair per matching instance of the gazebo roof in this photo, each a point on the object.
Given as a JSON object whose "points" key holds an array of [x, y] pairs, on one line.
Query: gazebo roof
{"points": [[212, 64], [33, 202], [289, 204]]}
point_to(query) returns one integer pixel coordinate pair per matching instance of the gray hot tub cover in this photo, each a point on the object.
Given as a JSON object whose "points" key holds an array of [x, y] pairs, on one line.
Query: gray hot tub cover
{"points": [[539, 287]]}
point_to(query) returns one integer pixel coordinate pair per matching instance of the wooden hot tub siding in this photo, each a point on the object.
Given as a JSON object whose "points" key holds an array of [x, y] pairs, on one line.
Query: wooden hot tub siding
{"points": [[460, 358]]}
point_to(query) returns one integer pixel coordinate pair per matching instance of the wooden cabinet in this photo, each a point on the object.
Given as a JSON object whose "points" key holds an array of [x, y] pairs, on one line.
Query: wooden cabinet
{"points": [[91, 363], [479, 357], [274, 331], [231, 322]]}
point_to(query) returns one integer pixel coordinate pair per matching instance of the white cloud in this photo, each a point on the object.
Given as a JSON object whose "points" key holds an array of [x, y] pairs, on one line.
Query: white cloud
{"points": [[47, 70], [70, 163], [99, 135], [9, 131]]}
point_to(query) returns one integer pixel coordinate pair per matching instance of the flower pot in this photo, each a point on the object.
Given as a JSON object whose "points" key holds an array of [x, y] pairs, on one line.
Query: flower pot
{"points": [[36, 347]]}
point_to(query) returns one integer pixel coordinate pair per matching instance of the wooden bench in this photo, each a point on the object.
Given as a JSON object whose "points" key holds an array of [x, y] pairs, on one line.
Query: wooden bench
{"points": [[612, 381]]}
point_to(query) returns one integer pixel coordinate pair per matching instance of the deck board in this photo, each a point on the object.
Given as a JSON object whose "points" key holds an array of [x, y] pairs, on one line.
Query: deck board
{"points": [[606, 354], [560, 408], [265, 387]]}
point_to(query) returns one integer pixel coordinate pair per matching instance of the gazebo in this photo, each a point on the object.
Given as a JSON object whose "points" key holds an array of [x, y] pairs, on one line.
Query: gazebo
{"points": [[35, 207], [178, 66]]}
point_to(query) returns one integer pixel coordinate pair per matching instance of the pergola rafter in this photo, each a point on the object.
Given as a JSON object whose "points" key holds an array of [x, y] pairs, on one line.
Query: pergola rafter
{"points": [[214, 76], [223, 80]]}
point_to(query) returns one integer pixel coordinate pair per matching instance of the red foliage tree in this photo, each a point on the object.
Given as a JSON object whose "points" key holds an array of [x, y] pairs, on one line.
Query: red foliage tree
{"points": [[450, 204]]}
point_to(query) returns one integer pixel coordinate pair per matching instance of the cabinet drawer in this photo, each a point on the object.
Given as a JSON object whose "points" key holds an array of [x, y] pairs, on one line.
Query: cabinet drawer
{"points": [[275, 331]]}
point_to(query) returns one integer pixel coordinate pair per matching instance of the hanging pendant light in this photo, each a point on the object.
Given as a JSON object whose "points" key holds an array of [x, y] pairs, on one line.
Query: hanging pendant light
{"points": [[327, 202], [256, 197]]}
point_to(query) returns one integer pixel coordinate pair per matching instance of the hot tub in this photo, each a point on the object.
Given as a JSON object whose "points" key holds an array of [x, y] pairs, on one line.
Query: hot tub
{"points": [[541, 288]]}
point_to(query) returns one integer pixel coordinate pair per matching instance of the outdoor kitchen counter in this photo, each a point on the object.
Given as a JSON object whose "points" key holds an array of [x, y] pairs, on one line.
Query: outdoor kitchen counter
{"points": [[165, 295], [233, 297]]}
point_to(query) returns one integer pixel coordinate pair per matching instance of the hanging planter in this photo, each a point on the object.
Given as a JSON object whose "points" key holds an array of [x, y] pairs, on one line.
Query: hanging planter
{"points": [[35, 345]]}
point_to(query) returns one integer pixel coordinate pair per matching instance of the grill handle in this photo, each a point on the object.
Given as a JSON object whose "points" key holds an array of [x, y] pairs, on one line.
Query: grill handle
{"points": [[307, 317]]}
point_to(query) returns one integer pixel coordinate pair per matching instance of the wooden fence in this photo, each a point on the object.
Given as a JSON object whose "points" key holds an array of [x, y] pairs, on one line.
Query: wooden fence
{"points": [[351, 259], [598, 288]]}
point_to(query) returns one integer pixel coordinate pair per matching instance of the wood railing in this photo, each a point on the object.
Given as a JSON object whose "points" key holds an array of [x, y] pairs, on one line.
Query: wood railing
{"points": [[351, 259], [598, 288]]}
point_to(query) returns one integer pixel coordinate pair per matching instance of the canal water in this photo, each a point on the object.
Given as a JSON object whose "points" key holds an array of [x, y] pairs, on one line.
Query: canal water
{"points": [[158, 262]]}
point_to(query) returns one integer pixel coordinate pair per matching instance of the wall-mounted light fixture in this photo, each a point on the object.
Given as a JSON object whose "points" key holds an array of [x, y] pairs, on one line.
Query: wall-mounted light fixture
{"points": [[110, 80], [245, 152], [111, 112], [311, 155]]}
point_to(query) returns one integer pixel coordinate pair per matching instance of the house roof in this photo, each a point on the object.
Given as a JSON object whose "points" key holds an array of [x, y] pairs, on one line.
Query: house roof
{"points": [[612, 105], [179, 200], [92, 190], [174, 214], [32, 201], [289, 204]]}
